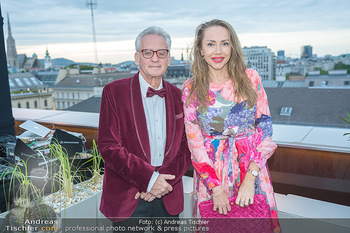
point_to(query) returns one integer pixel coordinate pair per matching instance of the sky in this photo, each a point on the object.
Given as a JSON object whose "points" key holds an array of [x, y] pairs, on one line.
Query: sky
{"points": [[64, 27]]}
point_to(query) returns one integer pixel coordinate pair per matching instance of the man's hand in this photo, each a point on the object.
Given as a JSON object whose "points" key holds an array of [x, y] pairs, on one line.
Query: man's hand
{"points": [[161, 186], [145, 196]]}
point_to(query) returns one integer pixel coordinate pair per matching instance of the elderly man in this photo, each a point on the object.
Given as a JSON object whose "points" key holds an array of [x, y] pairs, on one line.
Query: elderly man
{"points": [[142, 138]]}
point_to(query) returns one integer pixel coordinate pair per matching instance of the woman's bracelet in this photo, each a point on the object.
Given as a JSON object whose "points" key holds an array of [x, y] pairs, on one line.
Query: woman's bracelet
{"points": [[214, 195]]}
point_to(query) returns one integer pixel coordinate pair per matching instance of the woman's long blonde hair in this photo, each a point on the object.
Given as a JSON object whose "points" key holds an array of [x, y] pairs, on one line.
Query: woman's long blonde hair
{"points": [[235, 66]]}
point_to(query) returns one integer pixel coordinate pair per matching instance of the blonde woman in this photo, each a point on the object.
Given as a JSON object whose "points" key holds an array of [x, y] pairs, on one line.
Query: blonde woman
{"points": [[224, 102]]}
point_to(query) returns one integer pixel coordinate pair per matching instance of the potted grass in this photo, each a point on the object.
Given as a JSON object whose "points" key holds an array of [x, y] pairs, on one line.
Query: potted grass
{"points": [[95, 183], [29, 211], [97, 165], [69, 201]]}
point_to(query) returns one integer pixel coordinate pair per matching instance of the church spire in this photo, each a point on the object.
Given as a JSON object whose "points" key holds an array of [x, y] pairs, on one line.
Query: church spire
{"points": [[9, 26], [11, 47], [47, 52], [48, 60]]}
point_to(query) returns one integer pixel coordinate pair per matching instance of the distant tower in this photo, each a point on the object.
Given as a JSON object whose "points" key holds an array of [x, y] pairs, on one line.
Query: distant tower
{"points": [[280, 55], [93, 4], [34, 56], [48, 60], [11, 47], [306, 51]]}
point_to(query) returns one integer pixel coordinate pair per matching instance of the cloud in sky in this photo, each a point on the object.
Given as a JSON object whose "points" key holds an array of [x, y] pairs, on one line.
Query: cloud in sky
{"points": [[65, 26]]}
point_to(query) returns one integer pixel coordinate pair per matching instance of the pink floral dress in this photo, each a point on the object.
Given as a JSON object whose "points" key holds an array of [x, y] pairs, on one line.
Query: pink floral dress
{"points": [[224, 139]]}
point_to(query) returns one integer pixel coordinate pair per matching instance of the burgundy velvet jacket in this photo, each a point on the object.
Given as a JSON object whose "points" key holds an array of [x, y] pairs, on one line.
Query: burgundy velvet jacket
{"points": [[124, 145]]}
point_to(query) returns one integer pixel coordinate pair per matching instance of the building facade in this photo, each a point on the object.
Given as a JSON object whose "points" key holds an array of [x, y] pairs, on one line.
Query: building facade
{"points": [[334, 78], [42, 99], [74, 88], [28, 92], [261, 59], [178, 71], [282, 69]]}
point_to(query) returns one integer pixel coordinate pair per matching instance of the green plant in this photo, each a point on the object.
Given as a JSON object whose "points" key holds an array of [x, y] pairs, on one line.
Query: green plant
{"points": [[97, 159], [96, 169], [64, 176], [321, 71], [27, 191], [20, 184], [347, 120], [342, 66], [28, 205]]}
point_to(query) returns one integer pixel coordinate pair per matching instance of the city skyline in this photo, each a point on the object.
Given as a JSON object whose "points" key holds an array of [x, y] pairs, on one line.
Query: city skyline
{"points": [[64, 27]]}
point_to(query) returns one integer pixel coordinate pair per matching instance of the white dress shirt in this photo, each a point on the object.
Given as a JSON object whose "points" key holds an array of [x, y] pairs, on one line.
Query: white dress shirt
{"points": [[155, 113]]}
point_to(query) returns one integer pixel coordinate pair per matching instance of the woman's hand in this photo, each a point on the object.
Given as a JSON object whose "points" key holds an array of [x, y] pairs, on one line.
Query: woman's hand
{"points": [[220, 200], [245, 195]]}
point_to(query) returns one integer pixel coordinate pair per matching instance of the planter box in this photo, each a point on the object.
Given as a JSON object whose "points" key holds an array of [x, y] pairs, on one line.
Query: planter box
{"points": [[82, 205]]}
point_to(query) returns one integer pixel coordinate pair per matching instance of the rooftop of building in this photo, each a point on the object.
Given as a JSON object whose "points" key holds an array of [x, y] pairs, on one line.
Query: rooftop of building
{"points": [[90, 80], [91, 104], [24, 81], [310, 106]]}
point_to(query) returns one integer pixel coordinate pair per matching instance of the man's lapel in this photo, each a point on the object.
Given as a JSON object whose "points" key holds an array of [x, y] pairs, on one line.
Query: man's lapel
{"points": [[139, 117], [170, 118]]}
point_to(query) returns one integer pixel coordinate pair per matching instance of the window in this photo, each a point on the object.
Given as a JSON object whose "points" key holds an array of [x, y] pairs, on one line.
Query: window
{"points": [[35, 104], [26, 80], [19, 82], [311, 83], [346, 83], [19, 105], [27, 104], [11, 83], [45, 103], [34, 81], [286, 111]]}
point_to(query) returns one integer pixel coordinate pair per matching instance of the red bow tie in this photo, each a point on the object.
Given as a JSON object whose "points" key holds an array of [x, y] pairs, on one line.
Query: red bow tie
{"points": [[151, 92]]}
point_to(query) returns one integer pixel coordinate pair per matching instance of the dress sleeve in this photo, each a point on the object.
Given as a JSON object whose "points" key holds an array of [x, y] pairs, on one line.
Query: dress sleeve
{"points": [[263, 121], [199, 157]]}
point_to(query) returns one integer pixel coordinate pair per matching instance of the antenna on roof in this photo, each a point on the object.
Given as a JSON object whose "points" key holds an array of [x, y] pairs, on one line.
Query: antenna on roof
{"points": [[92, 4]]}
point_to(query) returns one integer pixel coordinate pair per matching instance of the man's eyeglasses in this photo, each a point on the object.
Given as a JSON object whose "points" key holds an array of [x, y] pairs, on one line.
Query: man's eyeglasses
{"points": [[148, 53]]}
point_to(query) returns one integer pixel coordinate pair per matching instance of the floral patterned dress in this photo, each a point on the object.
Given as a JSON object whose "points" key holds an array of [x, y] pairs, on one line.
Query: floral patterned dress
{"points": [[224, 139]]}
